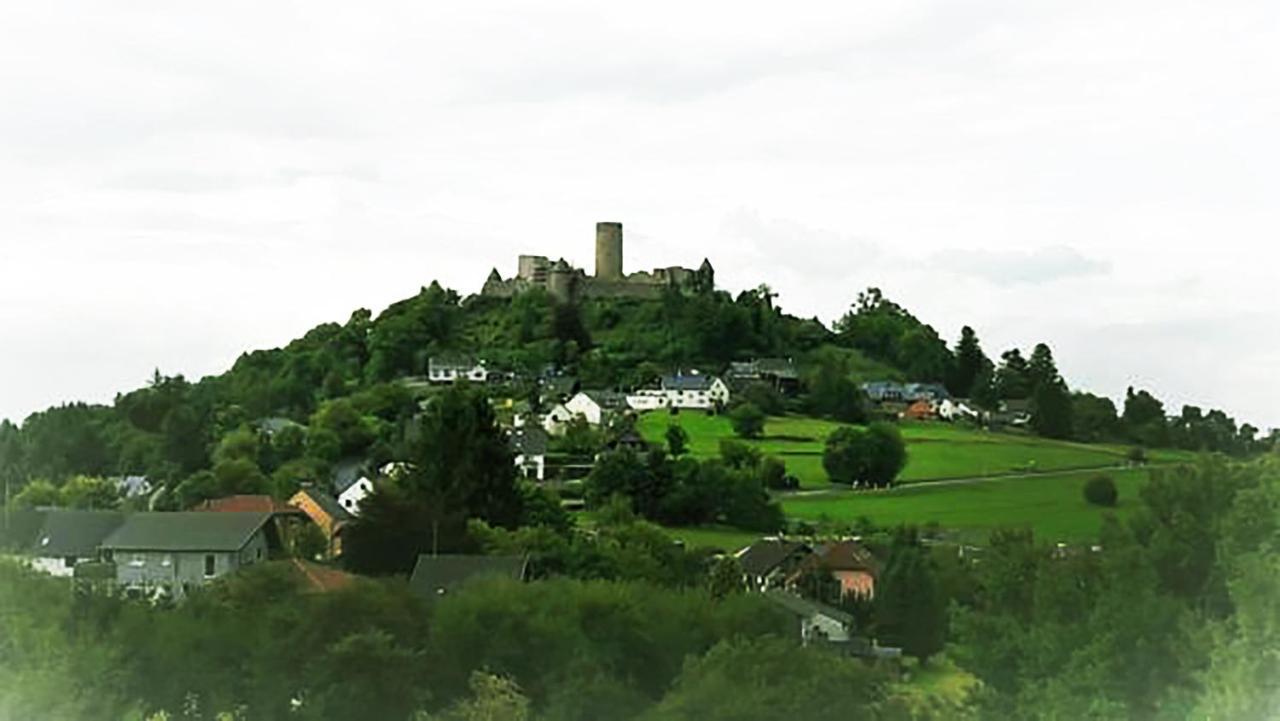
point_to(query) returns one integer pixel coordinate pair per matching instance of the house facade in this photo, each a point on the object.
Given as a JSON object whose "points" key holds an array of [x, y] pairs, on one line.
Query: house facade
{"points": [[816, 623], [770, 563], [68, 538], [324, 511], [692, 392], [175, 553], [529, 447], [451, 369]]}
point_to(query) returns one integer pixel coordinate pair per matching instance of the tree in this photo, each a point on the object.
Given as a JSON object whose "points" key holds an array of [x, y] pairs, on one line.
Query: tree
{"points": [[830, 391], [677, 440], [1013, 378], [493, 698], [872, 456], [1093, 418], [910, 609], [971, 364], [1144, 419], [39, 493], [1101, 491], [1051, 408], [748, 421], [90, 493]]}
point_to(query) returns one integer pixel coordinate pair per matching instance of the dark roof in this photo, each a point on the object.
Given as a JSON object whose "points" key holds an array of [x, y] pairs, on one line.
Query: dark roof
{"points": [[437, 575], [560, 385], [804, 608], [846, 556], [608, 400], [246, 504], [327, 503], [68, 532], [347, 471], [452, 361], [186, 531], [529, 441], [1016, 406], [778, 367], [687, 383], [762, 557], [18, 528]]}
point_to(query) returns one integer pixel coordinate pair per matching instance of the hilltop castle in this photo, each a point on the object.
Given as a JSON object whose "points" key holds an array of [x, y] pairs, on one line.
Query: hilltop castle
{"points": [[564, 282]]}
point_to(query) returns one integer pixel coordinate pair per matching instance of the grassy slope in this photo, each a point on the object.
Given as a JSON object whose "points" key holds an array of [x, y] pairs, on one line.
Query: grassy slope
{"points": [[934, 450], [1052, 505]]}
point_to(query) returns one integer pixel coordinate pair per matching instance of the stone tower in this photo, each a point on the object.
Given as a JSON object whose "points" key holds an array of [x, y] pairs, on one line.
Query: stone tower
{"points": [[609, 251], [560, 281]]}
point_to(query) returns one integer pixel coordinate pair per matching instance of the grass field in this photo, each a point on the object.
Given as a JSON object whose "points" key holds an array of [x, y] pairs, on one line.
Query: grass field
{"points": [[935, 451], [1052, 505]]}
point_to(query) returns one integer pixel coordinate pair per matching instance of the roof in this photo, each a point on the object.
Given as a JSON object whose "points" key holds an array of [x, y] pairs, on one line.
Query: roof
{"points": [[1016, 406], [326, 503], [687, 383], [246, 504], [347, 471], [608, 400], [437, 575], [560, 385], [529, 441], [19, 526], [846, 556], [778, 367], [762, 557], [190, 531], [452, 361], [68, 532], [804, 608]]}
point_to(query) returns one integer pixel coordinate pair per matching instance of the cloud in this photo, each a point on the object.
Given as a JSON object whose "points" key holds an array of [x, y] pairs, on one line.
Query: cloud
{"points": [[1007, 268]]}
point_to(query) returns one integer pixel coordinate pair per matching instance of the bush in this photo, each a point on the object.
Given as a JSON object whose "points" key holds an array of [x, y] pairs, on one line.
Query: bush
{"points": [[1137, 455], [747, 420], [1101, 491], [773, 475]]}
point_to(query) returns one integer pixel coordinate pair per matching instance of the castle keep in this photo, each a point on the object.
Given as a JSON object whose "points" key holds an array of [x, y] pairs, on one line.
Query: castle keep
{"points": [[564, 282]]}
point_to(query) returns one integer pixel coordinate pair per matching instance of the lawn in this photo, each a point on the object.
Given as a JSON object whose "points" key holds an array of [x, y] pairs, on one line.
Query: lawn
{"points": [[935, 451], [1052, 505]]}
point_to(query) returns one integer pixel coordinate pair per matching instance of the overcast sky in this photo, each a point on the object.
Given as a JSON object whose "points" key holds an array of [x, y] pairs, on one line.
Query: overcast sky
{"points": [[177, 186]]}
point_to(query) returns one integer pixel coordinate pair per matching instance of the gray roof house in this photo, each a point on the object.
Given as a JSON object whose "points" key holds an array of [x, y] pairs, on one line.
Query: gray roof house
{"points": [[817, 622], [18, 529], [70, 537], [438, 575], [173, 553], [769, 562]]}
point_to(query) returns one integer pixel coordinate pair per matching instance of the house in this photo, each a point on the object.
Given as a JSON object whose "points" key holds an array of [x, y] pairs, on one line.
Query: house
{"points": [[686, 391], [882, 391], [453, 368], [816, 623], [133, 486], [1013, 413], [352, 483], [934, 392], [435, 576], [769, 563], [780, 373], [921, 410], [323, 510], [848, 562], [958, 409], [69, 537], [557, 420], [174, 553], [597, 406], [529, 445], [557, 389], [18, 529]]}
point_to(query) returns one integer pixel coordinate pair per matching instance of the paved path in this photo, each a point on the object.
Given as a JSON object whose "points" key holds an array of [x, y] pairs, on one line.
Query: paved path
{"points": [[959, 481]]}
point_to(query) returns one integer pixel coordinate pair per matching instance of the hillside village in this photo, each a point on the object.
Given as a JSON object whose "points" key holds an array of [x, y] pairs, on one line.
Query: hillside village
{"points": [[614, 428]]}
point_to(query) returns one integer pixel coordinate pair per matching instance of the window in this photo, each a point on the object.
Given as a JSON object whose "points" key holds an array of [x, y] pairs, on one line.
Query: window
{"points": [[167, 561], [137, 560], [69, 562], [209, 565]]}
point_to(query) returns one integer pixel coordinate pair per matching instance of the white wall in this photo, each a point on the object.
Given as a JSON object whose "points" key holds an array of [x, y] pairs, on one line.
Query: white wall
{"points": [[350, 499]]}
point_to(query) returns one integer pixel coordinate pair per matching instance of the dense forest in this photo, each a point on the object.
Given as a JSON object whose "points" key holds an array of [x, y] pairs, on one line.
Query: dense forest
{"points": [[340, 390]]}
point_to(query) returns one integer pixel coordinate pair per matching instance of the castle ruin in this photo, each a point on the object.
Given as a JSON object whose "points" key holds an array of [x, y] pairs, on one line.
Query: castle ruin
{"points": [[566, 283]]}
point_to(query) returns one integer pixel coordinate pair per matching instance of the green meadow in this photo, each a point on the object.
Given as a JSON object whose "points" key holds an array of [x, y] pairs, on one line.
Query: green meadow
{"points": [[935, 451]]}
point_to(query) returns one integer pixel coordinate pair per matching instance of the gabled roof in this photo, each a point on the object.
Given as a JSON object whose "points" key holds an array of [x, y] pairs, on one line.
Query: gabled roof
{"points": [[68, 532], [845, 555], [607, 400], [191, 531], [778, 367], [326, 503], [687, 383], [529, 441], [762, 557], [347, 471], [452, 361], [246, 504], [18, 528], [804, 608], [438, 575]]}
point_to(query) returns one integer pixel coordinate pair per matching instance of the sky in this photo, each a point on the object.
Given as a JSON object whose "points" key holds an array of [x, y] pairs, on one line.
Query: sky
{"points": [[182, 183]]}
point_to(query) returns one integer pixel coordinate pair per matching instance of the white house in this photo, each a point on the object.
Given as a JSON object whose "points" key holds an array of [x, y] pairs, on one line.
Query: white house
{"points": [[556, 420], [529, 446], [351, 498], [816, 622], [957, 409], [692, 391], [451, 369], [595, 406]]}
